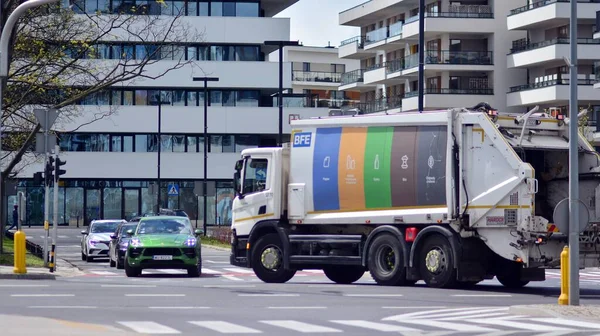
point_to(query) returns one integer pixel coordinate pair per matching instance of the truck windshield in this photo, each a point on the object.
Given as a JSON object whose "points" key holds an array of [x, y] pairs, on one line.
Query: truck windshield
{"points": [[255, 176]]}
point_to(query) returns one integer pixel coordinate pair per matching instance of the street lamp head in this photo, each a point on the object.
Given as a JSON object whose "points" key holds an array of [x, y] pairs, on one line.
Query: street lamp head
{"points": [[205, 79]]}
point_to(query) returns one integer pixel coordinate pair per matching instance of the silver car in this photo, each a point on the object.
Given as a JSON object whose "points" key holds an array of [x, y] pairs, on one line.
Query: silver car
{"points": [[95, 240]]}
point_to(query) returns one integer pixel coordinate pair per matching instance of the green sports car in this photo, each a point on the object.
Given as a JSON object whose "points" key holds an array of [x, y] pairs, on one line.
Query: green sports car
{"points": [[164, 242]]}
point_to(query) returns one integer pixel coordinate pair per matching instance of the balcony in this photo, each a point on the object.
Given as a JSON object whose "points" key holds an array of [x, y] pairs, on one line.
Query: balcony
{"points": [[459, 60], [446, 22], [354, 48], [354, 80], [552, 89], [537, 53], [549, 13], [402, 67], [441, 98], [597, 30], [386, 104], [315, 78]]}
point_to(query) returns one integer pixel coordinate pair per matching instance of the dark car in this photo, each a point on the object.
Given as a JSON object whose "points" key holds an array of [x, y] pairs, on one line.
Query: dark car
{"points": [[118, 244]]}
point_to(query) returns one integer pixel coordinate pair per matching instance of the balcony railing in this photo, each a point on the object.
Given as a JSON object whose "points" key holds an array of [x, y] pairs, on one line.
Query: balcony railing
{"points": [[396, 29], [312, 101], [379, 105], [465, 11], [597, 71], [537, 45], [553, 82], [404, 63], [376, 35], [460, 57], [542, 3], [354, 76], [480, 91], [597, 22], [316, 76], [360, 40]]}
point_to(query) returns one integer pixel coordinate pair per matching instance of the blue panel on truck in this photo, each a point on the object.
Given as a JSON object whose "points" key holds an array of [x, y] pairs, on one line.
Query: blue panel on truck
{"points": [[325, 169]]}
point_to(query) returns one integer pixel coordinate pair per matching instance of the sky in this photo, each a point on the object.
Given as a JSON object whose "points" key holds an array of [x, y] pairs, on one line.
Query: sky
{"points": [[316, 22]]}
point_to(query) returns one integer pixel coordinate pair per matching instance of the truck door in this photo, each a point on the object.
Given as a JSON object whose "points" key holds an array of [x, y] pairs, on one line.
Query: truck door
{"points": [[255, 201]]}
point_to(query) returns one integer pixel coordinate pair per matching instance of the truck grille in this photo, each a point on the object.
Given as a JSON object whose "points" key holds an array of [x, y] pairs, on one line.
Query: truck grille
{"points": [[149, 252]]}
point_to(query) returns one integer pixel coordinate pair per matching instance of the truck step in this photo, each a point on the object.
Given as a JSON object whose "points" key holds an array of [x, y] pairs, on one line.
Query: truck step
{"points": [[337, 260], [334, 239]]}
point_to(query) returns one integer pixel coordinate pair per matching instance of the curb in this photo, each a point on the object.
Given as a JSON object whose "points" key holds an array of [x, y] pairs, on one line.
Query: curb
{"points": [[218, 248], [27, 276], [538, 311]]}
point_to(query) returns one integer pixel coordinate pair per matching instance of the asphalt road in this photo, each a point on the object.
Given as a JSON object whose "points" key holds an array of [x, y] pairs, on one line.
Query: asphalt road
{"points": [[231, 300]]}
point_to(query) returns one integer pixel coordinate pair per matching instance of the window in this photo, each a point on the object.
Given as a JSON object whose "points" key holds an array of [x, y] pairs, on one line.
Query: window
{"points": [[255, 176]]}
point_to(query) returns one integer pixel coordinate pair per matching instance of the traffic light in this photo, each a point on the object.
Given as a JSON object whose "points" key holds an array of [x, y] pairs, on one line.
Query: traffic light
{"points": [[57, 171], [48, 171], [37, 178]]}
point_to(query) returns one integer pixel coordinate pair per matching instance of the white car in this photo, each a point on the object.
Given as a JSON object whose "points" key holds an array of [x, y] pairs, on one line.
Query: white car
{"points": [[95, 240]]}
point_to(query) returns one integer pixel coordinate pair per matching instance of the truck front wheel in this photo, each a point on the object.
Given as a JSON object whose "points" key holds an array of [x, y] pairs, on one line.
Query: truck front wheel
{"points": [[344, 274], [386, 261], [267, 260], [436, 262]]}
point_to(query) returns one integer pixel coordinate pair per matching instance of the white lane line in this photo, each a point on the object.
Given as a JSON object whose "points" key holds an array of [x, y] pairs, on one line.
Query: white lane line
{"points": [[268, 295], [374, 295], [464, 313], [229, 286], [210, 271], [62, 237], [217, 262], [232, 278], [314, 307], [225, 327], [568, 322], [447, 325], [473, 316], [239, 270], [126, 286], [300, 326], [374, 325], [63, 307], [481, 295], [41, 295], [332, 285], [149, 327], [179, 308], [414, 307], [20, 285], [519, 325], [103, 273], [154, 295]]}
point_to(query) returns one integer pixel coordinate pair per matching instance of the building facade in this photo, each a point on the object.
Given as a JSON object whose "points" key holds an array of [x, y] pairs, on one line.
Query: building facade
{"points": [[465, 42], [317, 74], [112, 162]]}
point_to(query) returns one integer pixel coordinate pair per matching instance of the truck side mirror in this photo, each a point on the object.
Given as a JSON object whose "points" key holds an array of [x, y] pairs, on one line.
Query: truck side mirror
{"points": [[236, 184]]}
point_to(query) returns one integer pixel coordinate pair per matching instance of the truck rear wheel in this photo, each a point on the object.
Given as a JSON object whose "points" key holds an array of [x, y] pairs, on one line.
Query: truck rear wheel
{"points": [[436, 262], [386, 261], [267, 260], [344, 274]]}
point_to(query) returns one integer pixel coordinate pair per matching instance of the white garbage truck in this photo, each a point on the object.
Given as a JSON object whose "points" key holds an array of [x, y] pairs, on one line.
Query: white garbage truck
{"points": [[449, 197]]}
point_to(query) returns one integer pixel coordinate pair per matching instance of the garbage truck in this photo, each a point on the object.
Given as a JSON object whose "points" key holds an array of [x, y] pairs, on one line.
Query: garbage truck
{"points": [[451, 197]]}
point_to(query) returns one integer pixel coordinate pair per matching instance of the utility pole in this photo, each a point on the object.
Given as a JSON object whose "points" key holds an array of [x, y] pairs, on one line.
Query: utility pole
{"points": [[573, 165], [57, 173], [421, 54], [159, 147]]}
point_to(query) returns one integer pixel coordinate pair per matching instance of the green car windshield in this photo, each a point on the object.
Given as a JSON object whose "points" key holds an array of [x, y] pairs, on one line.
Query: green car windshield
{"points": [[164, 226]]}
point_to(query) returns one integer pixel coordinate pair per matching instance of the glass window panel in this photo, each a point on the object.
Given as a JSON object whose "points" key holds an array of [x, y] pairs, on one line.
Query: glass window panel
{"points": [[216, 144], [192, 8], [104, 97], [166, 143], [148, 201], [246, 141], [178, 143], [216, 53], [192, 53], [167, 8], [128, 97], [247, 98], [179, 53], [178, 8], [116, 143], [140, 51], [128, 52], [142, 7], [116, 97], [228, 53], [79, 6], [73, 205], [229, 98], [103, 51], [154, 7], [204, 53], [179, 97], [99, 143], [247, 53], [224, 201], [192, 99], [192, 144], [153, 52], [128, 143], [141, 97], [250, 9], [141, 143], [166, 97], [203, 8], [228, 8], [153, 97], [166, 52], [216, 9], [152, 143], [216, 98], [91, 6], [116, 51], [228, 144], [112, 203]]}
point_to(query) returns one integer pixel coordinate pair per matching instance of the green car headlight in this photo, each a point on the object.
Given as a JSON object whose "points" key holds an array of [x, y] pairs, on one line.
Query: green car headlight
{"points": [[191, 242]]}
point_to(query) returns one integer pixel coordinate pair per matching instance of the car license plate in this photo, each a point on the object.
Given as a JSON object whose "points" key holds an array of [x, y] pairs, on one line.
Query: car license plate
{"points": [[163, 257]]}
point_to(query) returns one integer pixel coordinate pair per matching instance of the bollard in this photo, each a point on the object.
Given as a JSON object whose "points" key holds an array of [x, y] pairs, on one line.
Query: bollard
{"points": [[563, 299], [19, 250]]}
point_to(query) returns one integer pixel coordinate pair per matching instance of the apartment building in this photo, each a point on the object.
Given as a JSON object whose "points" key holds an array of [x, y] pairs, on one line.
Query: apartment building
{"points": [[316, 76], [465, 42], [111, 163]]}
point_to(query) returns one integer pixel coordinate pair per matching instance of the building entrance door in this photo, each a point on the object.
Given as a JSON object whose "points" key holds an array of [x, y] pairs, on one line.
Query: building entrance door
{"points": [[92, 205], [132, 203]]}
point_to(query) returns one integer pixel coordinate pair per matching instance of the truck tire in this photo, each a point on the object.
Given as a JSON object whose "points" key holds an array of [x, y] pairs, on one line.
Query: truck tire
{"points": [[436, 262], [267, 260], [344, 274], [385, 261], [511, 282]]}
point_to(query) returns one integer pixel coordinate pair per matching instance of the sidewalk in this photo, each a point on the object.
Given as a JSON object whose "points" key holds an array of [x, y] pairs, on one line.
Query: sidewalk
{"points": [[15, 325], [589, 313], [63, 269]]}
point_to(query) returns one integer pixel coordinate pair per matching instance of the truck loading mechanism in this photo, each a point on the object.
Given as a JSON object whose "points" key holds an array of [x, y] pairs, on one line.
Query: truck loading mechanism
{"points": [[450, 197]]}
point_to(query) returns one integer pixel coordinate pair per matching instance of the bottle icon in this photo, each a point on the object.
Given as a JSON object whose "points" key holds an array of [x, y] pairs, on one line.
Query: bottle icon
{"points": [[326, 162], [350, 164], [376, 163]]}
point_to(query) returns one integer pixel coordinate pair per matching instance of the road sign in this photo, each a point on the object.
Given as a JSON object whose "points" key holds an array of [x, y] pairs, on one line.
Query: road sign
{"points": [[561, 216], [173, 189], [40, 145], [46, 117]]}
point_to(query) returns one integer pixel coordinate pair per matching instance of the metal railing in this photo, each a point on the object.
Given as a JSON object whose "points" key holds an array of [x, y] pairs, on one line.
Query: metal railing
{"points": [[317, 76], [34, 249], [404, 63], [465, 11], [543, 3], [562, 40], [553, 82], [354, 76], [480, 91], [379, 105], [360, 40], [460, 57]]}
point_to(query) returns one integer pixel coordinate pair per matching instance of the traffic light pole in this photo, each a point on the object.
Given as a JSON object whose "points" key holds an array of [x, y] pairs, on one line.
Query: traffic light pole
{"points": [[46, 197], [55, 208]]}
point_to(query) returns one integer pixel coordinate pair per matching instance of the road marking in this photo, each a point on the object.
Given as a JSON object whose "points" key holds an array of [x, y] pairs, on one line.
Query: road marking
{"points": [[178, 307], [217, 262], [225, 327], [472, 316], [148, 327], [155, 295], [63, 237], [231, 277], [228, 286], [315, 307], [301, 326], [431, 314], [374, 295], [210, 271], [266, 295], [103, 273], [567, 322], [41, 295], [463, 313], [125, 286], [63, 307], [19, 285], [519, 325], [447, 325], [239, 270], [413, 307], [374, 325], [481, 295]]}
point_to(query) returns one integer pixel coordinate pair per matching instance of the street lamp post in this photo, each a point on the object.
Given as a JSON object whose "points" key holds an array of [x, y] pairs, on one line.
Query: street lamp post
{"points": [[421, 53], [280, 45], [7, 30], [158, 149], [204, 180]]}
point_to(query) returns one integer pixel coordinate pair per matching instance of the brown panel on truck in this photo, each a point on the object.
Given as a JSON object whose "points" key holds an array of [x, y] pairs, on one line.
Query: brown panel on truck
{"points": [[403, 166]]}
